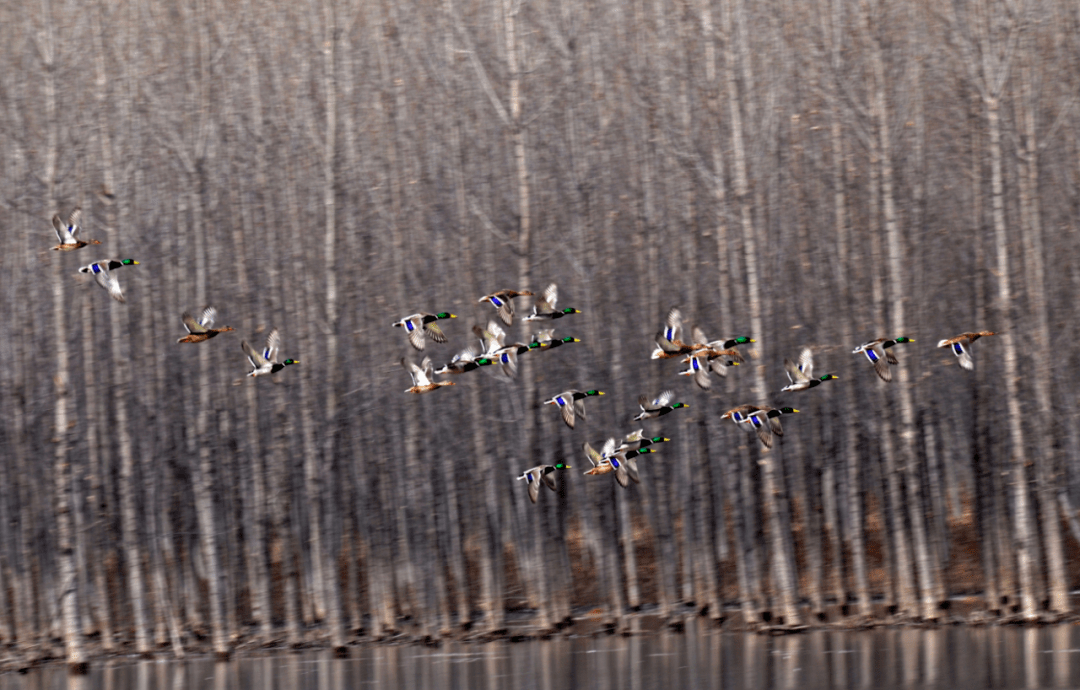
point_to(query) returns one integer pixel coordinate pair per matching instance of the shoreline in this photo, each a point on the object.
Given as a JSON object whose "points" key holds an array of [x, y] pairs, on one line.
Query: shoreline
{"points": [[519, 628]]}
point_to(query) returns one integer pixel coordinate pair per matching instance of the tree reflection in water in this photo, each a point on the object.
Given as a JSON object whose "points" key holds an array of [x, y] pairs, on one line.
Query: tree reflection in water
{"points": [[954, 658]]}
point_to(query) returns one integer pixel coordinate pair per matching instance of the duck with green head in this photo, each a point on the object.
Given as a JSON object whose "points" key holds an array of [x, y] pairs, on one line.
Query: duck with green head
{"points": [[610, 459], [266, 362], [541, 474], [658, 406], [466, 360], [722, 343], [547, 340], [421, 326], [547, 306], [762, 419], [101, 272], [572, 404], [636, 440], [875, 351], [801, 375]]}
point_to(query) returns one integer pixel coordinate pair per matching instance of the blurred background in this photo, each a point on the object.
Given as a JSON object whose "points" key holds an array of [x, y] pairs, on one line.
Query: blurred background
{"points": [[808, 174]]}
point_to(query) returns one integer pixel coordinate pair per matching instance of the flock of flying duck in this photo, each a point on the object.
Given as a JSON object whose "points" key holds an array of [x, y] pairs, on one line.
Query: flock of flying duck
{"points": [[701, 355], [199, 329]]}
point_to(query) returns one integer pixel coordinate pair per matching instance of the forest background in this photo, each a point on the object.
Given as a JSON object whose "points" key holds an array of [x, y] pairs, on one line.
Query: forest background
{"points": [[809, 174]]}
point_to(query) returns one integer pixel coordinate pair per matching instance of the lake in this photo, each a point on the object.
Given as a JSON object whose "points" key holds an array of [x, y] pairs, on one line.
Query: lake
{"points": [[952, 658]]}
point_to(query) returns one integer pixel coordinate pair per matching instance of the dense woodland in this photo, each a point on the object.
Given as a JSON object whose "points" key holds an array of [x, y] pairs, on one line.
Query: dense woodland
{"points": [[809, 174]]}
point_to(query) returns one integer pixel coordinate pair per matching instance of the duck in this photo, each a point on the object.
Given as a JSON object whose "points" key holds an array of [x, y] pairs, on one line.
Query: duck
{"points": [[67, 234], [572, 404], [719, 360], [658, 406], [668, 342], [546, 306], [201, 329], [266, 362], [466, 360], [610, 459], [961, 346], [100, 271], [715, 360], [501, 300], [541, 474], [493, 340], [494, 351], [762, 419], [801, 375], [422, 377], [637, 440], [547, 340], [875, 351], [422, 325], [721, 344]]}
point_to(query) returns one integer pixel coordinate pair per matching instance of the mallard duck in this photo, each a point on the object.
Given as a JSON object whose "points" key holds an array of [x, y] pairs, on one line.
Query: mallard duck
{"points": [[961, 346], [722, 343], [421, 377], [668, 342], [266, 362], [504, 361], [658, 406], [636, 440], [100, 271], [201, 329], [714, 360], [875, 351], [501, 300], [493, 339], [541, 473], [764, 420], [423, 325], [610, 459], [466, 360], [801, 375], [545, 307], [67, 234], [547, 340], [572, 403]]}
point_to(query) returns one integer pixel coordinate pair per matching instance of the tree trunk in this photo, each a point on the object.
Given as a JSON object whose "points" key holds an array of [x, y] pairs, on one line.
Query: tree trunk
{"points": [[1045, 459], [63, 475], [1018, 454]]}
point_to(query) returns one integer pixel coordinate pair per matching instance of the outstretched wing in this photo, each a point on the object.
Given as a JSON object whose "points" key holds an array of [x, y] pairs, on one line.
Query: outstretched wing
{"points": [[594, 457], [662, 400], [254, 356], [63, 235], [273, 341], [673, 327], [568, 408], [548, 479], [191, 324], [806, 363], [109, 282], [548, 300], [417, 374], [207, 319], [433, 332], [794, 374]]}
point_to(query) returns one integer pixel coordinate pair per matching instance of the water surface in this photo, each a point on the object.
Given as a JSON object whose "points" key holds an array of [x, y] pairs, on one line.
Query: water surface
{"points": [[955, 658]]}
